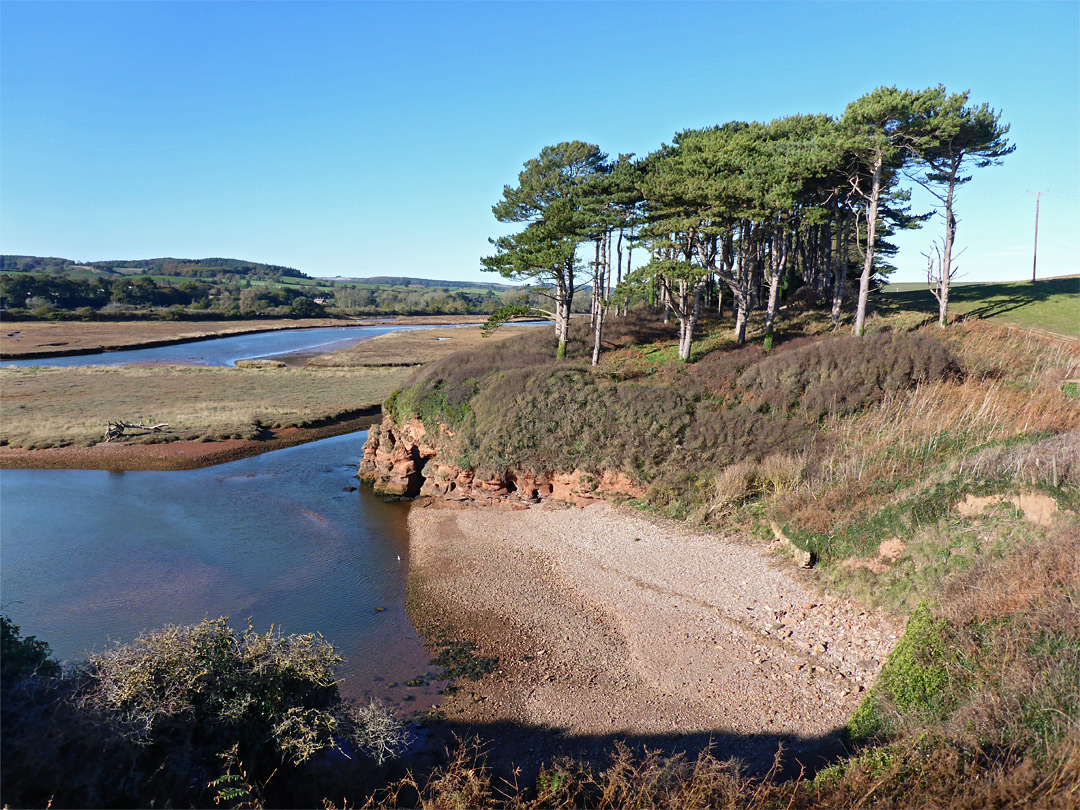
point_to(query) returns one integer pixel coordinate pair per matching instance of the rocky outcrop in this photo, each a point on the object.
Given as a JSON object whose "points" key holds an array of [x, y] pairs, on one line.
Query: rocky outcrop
{"points": [[402, 460], [394, 458]]}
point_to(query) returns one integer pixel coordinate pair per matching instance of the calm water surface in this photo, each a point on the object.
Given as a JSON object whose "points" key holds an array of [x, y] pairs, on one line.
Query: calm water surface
{"points": [[89, 556], [227, 350]]}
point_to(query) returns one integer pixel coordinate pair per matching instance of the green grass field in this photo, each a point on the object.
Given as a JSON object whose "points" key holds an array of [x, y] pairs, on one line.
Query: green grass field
{"points": [[1051, 305]]}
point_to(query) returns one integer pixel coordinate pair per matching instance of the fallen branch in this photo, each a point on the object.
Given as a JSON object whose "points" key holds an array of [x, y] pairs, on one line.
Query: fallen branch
{"points": [[116, 430]]}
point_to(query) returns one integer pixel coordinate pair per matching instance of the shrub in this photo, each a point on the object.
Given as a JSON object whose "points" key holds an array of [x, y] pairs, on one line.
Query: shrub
{"points": [[151, 723], [781, 472], [215, 687], [22, 658], [733, 485], [841, 375]]}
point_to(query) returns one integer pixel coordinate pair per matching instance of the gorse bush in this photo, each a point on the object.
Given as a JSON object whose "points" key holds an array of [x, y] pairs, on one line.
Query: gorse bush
{"points": [[442, 390]]}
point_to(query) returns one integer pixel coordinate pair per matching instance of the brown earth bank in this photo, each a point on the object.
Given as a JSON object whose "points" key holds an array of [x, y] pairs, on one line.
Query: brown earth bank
{"points": [[31, 339], [612, 626], [399, 461], [118, 456]]}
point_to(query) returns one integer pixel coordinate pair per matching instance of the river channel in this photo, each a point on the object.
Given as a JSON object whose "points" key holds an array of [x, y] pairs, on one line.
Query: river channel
{"points": [[226, 351], [90, 557]]}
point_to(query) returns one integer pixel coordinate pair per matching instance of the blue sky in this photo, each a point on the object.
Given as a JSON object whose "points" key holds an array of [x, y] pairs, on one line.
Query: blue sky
{"points": [[351, 138]]}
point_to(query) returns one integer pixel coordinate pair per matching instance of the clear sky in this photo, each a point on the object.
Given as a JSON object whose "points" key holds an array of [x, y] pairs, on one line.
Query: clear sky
{"points": [[355, 138]]}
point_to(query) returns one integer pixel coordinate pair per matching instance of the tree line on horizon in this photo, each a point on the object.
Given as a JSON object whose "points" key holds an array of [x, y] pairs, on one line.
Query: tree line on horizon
{"points": [[42, 288], [757, 208], [213, 268]]}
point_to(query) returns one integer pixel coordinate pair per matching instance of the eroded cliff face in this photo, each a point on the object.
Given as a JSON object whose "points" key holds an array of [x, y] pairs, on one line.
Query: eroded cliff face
{"points": [[402, 460]]}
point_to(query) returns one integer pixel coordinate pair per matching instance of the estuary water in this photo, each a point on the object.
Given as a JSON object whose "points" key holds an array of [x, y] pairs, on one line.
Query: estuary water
{"points": [[226, 351], [92, 556]]}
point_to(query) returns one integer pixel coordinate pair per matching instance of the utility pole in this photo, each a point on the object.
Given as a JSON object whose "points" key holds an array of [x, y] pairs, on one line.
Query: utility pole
{"points": [[1035, 252]]}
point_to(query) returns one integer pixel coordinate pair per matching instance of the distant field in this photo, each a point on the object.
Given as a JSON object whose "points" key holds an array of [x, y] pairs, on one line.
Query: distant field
{"points": [[1050, 304]]}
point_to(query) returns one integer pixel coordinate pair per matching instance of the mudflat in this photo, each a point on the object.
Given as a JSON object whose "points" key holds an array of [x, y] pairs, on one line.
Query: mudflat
{"points": [[609, 624], [175, 455]]}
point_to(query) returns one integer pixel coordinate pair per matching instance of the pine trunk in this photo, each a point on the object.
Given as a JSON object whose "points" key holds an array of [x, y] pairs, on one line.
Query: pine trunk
{"points": [[946, 261], [840, 261], [777, 259], [868, 260]]}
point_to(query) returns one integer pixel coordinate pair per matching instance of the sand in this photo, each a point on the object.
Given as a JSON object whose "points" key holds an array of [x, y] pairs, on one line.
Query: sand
{"points": [[610, 625]]}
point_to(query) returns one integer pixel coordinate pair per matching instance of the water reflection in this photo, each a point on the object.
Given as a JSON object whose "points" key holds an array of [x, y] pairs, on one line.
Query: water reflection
{"points": [[90, 556]]}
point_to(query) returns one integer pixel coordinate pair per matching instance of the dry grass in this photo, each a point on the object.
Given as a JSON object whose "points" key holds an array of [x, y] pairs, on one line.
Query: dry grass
{"points": [[417, 346], [1012, 388], [54, 407], [630, 780]]}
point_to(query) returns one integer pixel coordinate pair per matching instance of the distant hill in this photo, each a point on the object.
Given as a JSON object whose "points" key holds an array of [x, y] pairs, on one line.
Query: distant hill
{"points": [[186, 268]]}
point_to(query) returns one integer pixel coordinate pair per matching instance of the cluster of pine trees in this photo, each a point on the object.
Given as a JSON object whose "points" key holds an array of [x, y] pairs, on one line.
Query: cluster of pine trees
{"points": [[761, 208]]}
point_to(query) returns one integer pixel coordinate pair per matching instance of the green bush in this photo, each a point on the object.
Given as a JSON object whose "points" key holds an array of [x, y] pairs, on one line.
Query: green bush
{"points": [[841, 375]]}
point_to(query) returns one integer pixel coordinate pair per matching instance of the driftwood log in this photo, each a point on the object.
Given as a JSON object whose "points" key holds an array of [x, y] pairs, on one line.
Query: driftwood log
{"points": [[116, 430]]}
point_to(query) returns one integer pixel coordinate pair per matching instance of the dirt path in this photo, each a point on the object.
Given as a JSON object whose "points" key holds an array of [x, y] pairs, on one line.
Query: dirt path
{"points": [[611, 625]]}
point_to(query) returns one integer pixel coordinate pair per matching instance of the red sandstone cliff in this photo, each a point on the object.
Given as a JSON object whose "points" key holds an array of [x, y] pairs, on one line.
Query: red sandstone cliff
{"points": [[402, 460]]}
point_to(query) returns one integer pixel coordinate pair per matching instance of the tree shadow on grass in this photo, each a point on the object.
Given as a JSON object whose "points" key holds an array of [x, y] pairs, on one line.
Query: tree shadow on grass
{"points": [[981, 301]]}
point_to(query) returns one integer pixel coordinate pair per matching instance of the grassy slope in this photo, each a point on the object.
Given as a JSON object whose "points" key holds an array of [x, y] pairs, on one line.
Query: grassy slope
{"points": [[1052, 304], [978, 705]]}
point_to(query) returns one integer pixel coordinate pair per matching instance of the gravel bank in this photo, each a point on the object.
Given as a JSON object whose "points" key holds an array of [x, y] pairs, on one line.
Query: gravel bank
{"points": [[612, 625]]}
